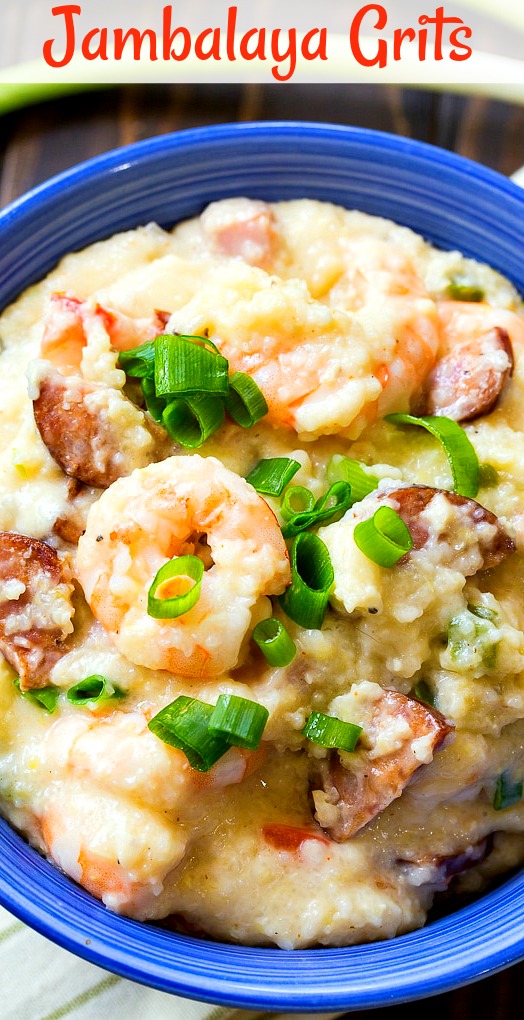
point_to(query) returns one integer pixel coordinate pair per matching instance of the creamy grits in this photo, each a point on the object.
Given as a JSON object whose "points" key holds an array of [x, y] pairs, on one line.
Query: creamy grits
{"points": [[389, 766]]}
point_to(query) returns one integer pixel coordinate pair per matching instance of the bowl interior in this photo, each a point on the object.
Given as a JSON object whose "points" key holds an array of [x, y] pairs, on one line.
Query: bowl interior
{"points": [[454, 204]]}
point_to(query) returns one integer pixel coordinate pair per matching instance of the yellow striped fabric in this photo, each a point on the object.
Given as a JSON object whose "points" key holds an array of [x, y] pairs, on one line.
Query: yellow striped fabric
{"points": [[40, 981]]}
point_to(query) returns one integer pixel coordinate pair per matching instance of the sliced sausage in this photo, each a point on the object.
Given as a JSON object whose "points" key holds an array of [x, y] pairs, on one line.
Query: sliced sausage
{"points": [[84, 436], [359, 792], [494, 545], [241, 227], [468, 381], [35, 608], [446, 867]]}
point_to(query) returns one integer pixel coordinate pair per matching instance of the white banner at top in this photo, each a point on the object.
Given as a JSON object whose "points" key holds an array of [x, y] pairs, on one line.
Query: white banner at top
{"points": [[418, 41]]}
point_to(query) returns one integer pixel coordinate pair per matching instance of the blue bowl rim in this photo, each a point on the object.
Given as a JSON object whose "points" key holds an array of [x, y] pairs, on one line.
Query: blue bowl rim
{"points": [[431, 975]]}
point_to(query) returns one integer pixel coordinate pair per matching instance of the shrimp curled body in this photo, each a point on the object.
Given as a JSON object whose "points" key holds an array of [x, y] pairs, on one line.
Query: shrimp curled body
{"points": [[183, 505]]}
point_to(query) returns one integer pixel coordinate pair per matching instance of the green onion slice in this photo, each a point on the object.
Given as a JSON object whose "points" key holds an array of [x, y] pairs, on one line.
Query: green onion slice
{"points": [[155, 405], [422, 692], [139, 362], [45, 697], [457, 447], [185, 724], [328, 731], [239, 721], [245, 402], [312, 577], [271, 476], [384, 538], [483, 612], [296, 500], [176, 605], [488, 476], [332, 505], [343, 469], [507, 792], [93, 690], [193, 419], [274, 642], [459, 290], [183, 366]]}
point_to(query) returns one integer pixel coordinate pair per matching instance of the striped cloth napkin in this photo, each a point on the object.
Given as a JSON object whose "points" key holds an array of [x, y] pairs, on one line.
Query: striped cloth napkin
{"points": [[40, 981]]}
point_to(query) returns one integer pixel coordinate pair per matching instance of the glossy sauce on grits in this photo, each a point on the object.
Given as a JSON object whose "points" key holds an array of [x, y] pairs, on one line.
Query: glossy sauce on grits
{"points": [[341, 319]]}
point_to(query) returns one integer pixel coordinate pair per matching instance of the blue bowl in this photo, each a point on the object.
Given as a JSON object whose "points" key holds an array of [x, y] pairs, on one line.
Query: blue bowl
{"points": [[455, 204]]}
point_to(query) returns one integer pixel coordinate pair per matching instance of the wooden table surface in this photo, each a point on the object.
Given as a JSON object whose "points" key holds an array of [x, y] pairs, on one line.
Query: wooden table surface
{"points": [[42, 140]]}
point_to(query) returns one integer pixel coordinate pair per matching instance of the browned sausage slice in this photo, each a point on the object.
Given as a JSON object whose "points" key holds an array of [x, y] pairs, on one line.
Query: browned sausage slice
{"points": [[494, 543], [468, 381], [35, 608], [357, 794], [83, 436], [445, 868]]}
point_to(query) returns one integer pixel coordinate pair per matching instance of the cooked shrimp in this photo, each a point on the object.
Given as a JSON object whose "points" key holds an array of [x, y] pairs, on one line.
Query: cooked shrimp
{"points": [[96, 819], [184, 505], [35, 608], [322, 370], [357, 787], [242, 228], [70, 323], [93, 432], [477, 359]]}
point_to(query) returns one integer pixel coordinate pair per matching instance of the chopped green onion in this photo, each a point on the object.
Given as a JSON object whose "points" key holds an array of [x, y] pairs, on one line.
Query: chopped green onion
{"points": [[459, 290], [44, 697], [185, 724], [139, 362], [343, 469], [384, 538], [184, 367], [507, 792], [332, 505], [176, 605], [271, 476], [296, 500], [328, 731], [488, 476], [93, 690], [191, 420], [245, 402], [457, 447], [483, 612], [155, 405], [239, 721], [274, 641], [312, 577], [422, 692]]}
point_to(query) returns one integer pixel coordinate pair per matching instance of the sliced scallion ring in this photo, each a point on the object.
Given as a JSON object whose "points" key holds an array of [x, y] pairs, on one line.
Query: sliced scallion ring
{"points": [[329, 507], [44, 697], [461, 290], [169, 607], [296, 500], [155, 405], [384, 538], [328, 731], [274, 642], [93, 690], [422, 692], [271, 476], [245, 402], [507, 792], [343, 469], [305, 600], [184, 367], [461, 454], [185, 724], [138, 362], [191, 420], [239, 721]]}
